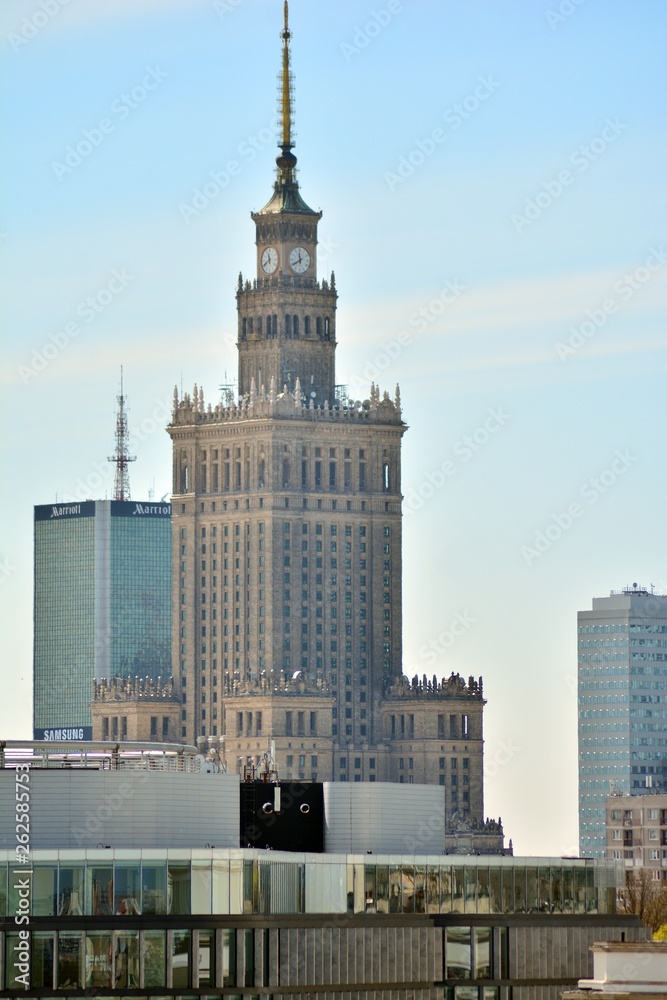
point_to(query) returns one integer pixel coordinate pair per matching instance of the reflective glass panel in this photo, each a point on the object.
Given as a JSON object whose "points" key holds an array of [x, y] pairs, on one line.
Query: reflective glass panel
{"points": [[382, 889], [532, 890], [41, 959], [579, 890], [483, 890], [98, 958], [420, 889], [71, 891], [44, 882], [3, 890], [395, 895], [520, 890], [11, 956], [458, 953], [507, 893], [568, 889], [206, 957], [545, 890], [466, 993], [155, 958], [70, 960], [591, 891], [201, 887], [221, 887], [154, 889], [127, 890], [178, 887], [433, 890], [495, 902], [370, 890], [249, 957], [126, 959], [470, 888], [408, 887], [482, 938], [445, 890], [99, 891], [228, 957], [457, 890], [180, 958], [556, 890]]}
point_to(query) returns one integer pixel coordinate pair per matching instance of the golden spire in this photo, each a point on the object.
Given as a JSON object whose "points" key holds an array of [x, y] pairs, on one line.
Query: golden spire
{"points": [[287, 161]]}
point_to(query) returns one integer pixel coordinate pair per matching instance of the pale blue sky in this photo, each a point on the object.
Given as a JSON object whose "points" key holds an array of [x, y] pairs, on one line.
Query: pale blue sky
{"points": [[581, 97]]}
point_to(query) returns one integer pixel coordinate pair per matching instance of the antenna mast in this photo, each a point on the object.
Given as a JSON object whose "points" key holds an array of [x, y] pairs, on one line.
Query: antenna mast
{"points": [[121, 459]]}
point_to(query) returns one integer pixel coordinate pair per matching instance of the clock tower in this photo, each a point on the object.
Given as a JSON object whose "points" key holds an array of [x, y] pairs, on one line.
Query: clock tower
{"points": [[287, 545], [286, 317]]}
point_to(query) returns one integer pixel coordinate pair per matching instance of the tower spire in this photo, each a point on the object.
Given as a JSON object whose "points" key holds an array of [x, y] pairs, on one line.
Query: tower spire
{"points": [[120, 458], [287, 160]]}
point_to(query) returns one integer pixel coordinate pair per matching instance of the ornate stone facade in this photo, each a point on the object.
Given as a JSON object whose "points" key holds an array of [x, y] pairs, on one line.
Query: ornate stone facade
{"points": [[287, 543], [136, 710]]}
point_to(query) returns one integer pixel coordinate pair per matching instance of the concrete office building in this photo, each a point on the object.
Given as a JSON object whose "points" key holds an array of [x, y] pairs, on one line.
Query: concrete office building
{"points": [[637, 832], [622, 699], [102, 605], [139, 886]]}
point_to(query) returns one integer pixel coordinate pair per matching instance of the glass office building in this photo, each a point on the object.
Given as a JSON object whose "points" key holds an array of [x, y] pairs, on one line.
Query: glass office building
{"points": [[622, 700], [102, 605], [247, 923]]}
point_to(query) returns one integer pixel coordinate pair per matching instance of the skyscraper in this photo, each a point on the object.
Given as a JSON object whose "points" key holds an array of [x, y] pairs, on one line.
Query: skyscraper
{"points": [[102, 603], [287, 543], [622, 654]]}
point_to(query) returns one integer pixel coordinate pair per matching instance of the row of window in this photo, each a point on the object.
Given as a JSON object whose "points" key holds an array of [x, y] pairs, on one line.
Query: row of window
{"points": [[289, 327], [621, 627]]}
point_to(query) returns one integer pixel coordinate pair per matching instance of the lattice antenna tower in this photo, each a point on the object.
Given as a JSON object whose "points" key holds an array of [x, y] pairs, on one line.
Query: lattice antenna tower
{"points": [[121, 459]]}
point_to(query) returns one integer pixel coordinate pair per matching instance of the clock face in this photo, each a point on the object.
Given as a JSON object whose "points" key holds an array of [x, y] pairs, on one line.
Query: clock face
{"points": [[269, 260], [299, 260]]}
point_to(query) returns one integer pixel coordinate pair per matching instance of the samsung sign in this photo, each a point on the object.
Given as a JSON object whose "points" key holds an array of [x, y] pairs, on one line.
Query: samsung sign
{"points": [[68, 734]]}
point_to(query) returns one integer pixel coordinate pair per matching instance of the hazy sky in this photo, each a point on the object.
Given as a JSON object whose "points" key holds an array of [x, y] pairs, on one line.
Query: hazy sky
{"points": [[492, 180]]}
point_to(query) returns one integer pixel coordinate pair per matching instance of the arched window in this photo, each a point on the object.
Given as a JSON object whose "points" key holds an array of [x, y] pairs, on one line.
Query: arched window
{"points": [[244, 329], [319, 326], [288, 327], [275, 326], [295, 327], [306, 326], [251, 325], [259, 325], [327, 329]]}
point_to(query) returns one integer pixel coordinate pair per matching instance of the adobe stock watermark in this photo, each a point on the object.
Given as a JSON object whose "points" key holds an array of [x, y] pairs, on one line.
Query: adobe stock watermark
{"points": [[463, 451], [454, 117], [87, 310], [565, 9], [225, 7], [365, 33], [7, 569], [419, 320], [498, 758], [592, 490], [33, 25], [581, 159], [93, 827], [22, 876], [121, 108], [432, 650], [219, 180], [625, 289]]}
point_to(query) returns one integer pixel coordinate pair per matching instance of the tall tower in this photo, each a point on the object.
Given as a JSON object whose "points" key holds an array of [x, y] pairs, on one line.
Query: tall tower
{"points": [[120, 458], [287, 520], [622, 654]]}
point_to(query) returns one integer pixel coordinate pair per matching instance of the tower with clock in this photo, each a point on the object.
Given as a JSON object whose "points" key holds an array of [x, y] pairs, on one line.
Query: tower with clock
{"points": [[287, 545], [286, 316]]}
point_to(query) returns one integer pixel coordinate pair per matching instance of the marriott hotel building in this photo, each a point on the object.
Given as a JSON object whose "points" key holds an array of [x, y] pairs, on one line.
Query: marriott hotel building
{"points": [[102, 605]]}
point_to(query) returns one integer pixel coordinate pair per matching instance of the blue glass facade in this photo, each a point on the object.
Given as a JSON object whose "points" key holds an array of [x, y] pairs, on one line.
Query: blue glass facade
{"points": [[102, 604], [622, 700]]}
